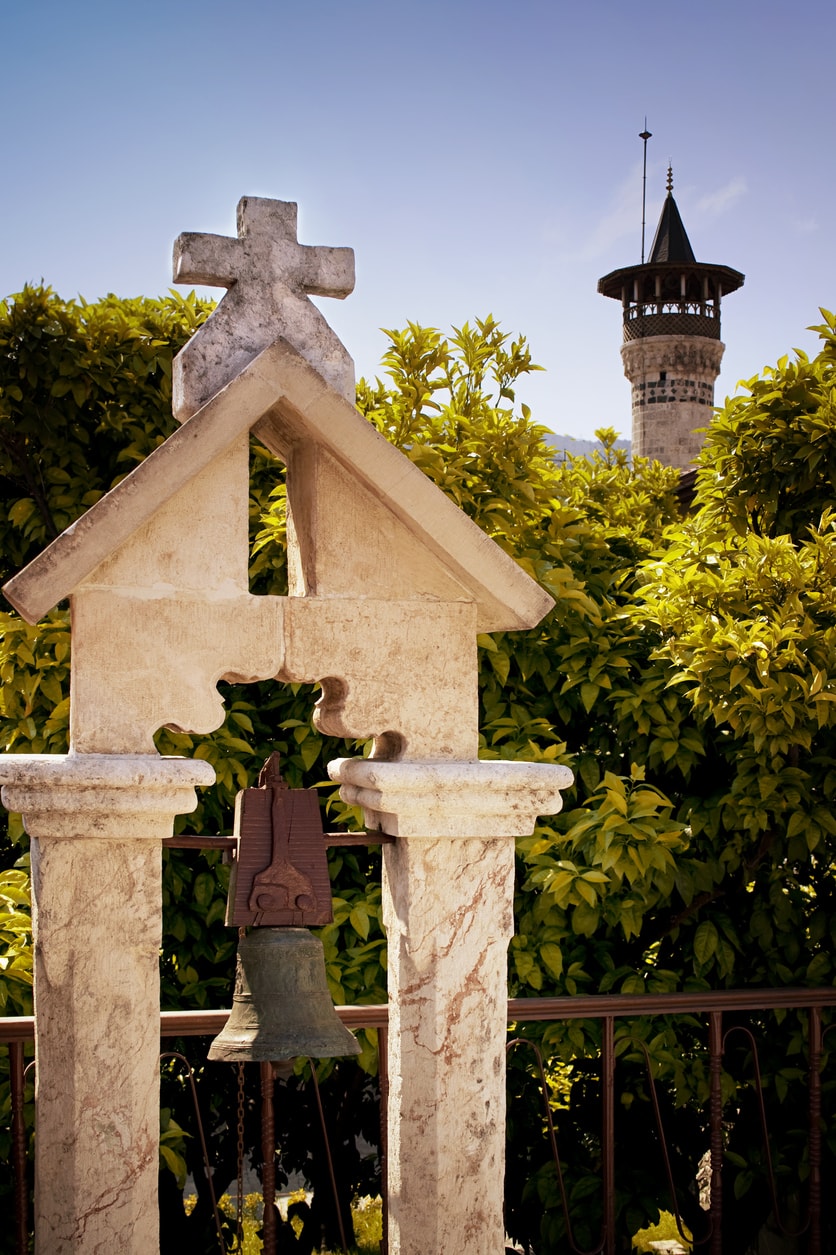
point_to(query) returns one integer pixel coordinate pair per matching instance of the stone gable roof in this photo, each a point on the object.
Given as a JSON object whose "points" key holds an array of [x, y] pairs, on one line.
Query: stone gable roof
{"points": [[285, 402]]}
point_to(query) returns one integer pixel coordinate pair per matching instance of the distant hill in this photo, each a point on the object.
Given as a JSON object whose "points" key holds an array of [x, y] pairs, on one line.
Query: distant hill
{"points": [[578, 448]]}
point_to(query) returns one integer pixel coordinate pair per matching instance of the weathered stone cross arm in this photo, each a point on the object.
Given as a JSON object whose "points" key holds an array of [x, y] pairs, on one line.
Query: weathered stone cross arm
{"points": [[210, 259], [266, 229]]}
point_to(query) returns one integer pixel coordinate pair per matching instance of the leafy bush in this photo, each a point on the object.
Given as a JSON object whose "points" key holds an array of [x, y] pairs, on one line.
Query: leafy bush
{"points": [[686, 674]]}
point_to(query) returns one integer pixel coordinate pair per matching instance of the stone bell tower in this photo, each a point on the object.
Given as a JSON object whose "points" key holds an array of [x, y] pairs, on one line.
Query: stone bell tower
{"points": [[672, 348]]}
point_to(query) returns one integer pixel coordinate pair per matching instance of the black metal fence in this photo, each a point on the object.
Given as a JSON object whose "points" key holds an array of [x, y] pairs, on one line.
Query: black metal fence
{"points": [[716, 1019]]}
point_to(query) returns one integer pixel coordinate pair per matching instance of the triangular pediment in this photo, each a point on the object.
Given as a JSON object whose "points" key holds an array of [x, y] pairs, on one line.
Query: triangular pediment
{"points": [[286, 403]]}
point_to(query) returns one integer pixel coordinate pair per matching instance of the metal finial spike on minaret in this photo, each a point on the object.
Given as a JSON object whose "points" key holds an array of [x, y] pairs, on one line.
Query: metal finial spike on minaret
{"points": [[644, 136], [670, 179]]}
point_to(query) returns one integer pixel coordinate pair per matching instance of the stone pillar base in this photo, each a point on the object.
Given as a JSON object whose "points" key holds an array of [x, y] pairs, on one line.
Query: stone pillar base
{"points": [[96, 822]]}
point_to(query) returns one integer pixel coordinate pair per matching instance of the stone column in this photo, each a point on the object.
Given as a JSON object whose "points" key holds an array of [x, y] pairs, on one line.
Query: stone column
{"points": [[96, 822], [448, 910]]}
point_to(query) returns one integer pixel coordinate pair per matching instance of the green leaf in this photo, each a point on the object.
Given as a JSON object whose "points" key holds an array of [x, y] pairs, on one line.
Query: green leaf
{"points": [[705, 941], [359, 919], [552, 956], [585, 919], [589, 695], [204, 889]]}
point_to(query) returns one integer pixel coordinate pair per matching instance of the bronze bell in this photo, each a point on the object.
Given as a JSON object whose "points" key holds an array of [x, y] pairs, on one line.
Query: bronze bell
{"points": [[281, 1007]]}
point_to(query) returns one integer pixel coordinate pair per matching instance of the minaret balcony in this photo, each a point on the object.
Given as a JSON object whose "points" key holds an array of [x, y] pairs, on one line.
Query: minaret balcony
{"points": [[671, 318]]}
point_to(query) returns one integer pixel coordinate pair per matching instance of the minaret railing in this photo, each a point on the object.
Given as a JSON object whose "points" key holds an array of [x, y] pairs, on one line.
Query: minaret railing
{"points": [[702, 309], [643, 319]]}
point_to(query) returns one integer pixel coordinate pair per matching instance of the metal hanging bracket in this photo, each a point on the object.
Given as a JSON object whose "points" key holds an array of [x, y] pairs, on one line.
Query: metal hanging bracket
{"points": [[280, 867]]}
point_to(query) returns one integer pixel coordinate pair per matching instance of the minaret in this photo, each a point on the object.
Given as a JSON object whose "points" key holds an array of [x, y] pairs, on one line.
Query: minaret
{"points": [[672, 348]]}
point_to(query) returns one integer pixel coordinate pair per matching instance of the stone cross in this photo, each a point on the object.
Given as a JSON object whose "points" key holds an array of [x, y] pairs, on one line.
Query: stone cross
{"points": [[269, 277]]}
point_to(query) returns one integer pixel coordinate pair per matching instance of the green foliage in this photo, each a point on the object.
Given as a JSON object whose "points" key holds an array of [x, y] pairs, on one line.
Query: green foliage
{"points": [[15, 941], [720, 718], [665, 1230], [687, 675], [173, 1147], [366, 1214], [446, 413], [15, 999], [85, 395], [368, 1224], [771, 455], [619, 862], [35, 678]]}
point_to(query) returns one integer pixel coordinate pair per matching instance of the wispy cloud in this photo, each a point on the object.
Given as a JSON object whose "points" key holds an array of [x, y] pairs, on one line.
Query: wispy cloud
{"points": [[621, 217], [805, 226], [716, 203]]}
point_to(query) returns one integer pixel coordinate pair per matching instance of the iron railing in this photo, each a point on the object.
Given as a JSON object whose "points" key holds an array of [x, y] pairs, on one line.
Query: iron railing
{"points": [[656, 305], [715, 1005], [604, 1009]]}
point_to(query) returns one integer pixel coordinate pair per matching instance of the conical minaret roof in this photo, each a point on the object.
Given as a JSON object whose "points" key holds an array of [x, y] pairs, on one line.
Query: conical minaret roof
{"points": [[670, 282], [671, 242]]}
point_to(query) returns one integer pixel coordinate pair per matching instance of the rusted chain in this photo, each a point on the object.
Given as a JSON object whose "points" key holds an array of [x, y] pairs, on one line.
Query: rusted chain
{"points": [[239, 1227], [268, 1160]]}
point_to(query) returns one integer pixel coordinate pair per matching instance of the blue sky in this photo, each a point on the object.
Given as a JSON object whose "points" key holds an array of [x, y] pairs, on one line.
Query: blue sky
{"points": [[479, 157]]}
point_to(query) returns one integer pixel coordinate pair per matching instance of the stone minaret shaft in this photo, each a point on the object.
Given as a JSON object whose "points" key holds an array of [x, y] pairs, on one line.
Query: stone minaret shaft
{"points": [[672, 348]]}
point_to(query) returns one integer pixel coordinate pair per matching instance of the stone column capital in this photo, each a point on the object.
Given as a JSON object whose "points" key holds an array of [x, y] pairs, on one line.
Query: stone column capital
{"points": [[116, 796], [490, 798]]}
